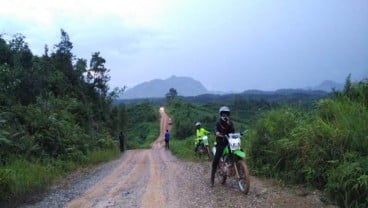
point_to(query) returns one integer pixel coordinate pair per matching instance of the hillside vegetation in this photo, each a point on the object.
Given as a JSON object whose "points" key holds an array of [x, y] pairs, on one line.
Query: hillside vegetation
{"points": [[56, 115], [143, 125], [325, 148]]}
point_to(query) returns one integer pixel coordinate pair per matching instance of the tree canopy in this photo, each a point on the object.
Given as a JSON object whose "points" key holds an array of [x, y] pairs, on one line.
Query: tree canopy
{"points": [[54, 105]]}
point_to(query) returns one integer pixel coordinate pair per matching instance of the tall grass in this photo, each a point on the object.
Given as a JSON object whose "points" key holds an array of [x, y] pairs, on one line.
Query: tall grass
{"points": [[99, 156], [21, 176], [183, 149], [325, 148], [142, 135]]}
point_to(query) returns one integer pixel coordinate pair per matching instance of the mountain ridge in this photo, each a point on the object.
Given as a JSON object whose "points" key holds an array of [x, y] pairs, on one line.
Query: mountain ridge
{"points": [[187, 86]]}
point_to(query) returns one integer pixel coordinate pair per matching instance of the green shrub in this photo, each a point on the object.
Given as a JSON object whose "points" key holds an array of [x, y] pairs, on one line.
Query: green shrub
{"points": [[325, 148], [143, 126], [348, 183], [271, 143], [21, 177]]}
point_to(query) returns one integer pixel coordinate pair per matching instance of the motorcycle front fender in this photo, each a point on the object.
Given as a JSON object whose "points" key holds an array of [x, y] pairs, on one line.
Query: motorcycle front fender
{"points": [[239, 153]]}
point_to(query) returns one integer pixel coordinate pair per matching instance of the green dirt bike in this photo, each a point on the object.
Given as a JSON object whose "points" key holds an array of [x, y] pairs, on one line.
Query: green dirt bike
{"points": [[232, 163], [203, 148]]}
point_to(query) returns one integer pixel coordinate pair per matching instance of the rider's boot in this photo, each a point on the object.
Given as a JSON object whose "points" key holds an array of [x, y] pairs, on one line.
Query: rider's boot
{"points": [[213, 178]]}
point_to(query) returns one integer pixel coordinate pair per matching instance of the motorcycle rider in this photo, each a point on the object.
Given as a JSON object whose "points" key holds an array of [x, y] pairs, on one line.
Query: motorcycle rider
{"points": [[223, 126], [200, 132]]}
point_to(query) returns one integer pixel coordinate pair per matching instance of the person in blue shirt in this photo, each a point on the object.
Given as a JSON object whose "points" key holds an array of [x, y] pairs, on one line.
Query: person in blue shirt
{"points": [[167, 139]]}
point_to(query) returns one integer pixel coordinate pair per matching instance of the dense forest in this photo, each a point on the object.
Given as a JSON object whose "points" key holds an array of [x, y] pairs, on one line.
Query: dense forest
{"points": [[56, 114]]}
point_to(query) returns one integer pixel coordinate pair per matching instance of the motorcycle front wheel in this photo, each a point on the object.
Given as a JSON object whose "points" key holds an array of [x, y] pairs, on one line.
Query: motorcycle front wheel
{"points": [[243, 180]]}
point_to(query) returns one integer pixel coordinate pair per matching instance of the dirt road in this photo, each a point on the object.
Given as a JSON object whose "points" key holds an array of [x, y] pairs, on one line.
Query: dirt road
{"points": [[144, 178], [155, 178]]}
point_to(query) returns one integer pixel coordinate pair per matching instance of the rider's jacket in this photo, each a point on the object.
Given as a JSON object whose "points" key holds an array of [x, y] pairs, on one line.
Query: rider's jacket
{"points": [[200, 133], [224, 128]]}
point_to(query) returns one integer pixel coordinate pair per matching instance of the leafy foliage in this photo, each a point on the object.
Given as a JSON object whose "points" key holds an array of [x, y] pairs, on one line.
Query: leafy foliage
{"points": [[326, 148], [185, 115], [143, 126], [172, 94], [348, 182], [53, 108]]}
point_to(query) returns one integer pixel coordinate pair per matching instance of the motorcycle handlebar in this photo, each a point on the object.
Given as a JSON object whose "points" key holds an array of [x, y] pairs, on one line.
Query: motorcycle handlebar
{"points": [[227, 136]]}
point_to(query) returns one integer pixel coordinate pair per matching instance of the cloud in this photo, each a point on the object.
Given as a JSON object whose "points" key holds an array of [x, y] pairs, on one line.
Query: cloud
{"points": [[255, 43]]}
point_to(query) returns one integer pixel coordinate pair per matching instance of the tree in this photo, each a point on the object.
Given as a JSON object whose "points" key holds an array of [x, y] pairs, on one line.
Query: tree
{"points": [[64, 48], [172, 94], [21, 67], [80, 68], [98, 74], [123, 117], [348, 88], [5, 53], [62, 61], [22, 55]]}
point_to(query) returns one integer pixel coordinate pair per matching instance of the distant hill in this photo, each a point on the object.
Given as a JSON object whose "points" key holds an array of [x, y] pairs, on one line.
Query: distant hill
{"points": [[193, 90], [157, 88], [290, 96], [285, 96], [328, 86]]}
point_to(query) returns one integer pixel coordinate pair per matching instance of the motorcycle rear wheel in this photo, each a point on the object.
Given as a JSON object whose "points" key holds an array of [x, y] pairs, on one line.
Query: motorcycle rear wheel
{"points": [[209, 153], [244, 179], [201, 150]]}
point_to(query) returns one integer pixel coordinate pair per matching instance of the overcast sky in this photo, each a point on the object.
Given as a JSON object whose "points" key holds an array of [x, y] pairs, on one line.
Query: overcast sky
{"points": [[231, 45]]}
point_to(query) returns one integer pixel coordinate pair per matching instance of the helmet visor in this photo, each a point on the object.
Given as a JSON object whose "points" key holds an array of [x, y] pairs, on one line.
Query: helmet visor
{"points": [[225, 113]]}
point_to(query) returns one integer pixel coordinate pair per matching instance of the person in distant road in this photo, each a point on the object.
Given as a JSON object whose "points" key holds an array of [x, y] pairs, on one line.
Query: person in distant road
{"points": [[121, 141], [223, 126], [167, 139], [200, 132]]}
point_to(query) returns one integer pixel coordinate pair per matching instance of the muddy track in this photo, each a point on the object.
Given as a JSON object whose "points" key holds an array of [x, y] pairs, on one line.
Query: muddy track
{"points": [[155, 178]]}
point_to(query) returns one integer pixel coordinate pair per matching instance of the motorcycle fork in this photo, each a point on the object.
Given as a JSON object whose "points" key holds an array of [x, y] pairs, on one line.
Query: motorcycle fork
{"points": [[236, 170]]}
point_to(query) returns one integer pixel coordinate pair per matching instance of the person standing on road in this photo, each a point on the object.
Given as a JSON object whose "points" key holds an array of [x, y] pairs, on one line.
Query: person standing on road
{"points": [[167, 139], [223, 127], [121, 141], [200, 132]]}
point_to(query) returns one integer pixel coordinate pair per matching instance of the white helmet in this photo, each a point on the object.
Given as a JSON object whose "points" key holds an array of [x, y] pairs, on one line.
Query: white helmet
{"points": [[198, 123], [224, 109]]}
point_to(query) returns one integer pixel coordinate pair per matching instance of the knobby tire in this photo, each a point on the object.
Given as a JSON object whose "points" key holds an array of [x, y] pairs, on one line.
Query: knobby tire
{"points": [[244, 177]]}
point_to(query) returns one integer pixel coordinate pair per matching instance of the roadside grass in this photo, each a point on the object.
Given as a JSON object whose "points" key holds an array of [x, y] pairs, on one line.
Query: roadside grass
{"points": [[100, 156], [142, 136], [184, 148], [22, 177], [152, 135]]}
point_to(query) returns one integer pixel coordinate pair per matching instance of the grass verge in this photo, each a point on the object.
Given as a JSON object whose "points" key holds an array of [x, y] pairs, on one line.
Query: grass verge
{"points": [[22, 177]]}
